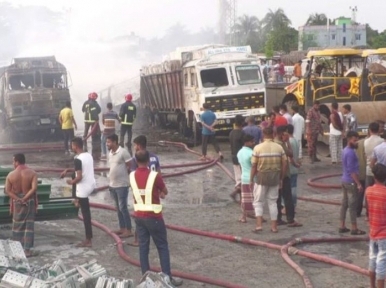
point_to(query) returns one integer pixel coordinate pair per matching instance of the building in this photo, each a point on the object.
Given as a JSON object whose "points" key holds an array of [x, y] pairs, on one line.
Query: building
{"points": [[344, 33]]}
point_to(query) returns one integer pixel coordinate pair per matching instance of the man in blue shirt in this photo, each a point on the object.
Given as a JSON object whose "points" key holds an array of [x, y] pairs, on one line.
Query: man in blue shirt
{"points": [[208, 121], [350, 184], [253, 130]]}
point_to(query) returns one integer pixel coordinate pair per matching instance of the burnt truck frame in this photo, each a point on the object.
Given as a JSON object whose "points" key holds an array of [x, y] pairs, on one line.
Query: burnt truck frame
{"points": [[33, 90]]}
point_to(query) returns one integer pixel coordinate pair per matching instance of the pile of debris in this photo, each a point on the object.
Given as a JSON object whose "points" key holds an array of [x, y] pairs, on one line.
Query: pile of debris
{"points": [[16, 272]]}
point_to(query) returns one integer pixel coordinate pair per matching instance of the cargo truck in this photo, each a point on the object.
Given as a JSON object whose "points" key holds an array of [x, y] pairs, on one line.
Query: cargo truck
{"points": [[229, 79], [32, 93]]}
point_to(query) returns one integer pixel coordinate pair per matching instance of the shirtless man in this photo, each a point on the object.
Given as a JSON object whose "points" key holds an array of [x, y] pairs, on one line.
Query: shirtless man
{"points": [[21, 185]]}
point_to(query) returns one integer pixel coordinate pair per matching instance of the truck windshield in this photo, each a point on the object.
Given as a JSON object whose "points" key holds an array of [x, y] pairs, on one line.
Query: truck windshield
{"points": [[216, 77], [248, 74], [54, 80], [20, 82]]}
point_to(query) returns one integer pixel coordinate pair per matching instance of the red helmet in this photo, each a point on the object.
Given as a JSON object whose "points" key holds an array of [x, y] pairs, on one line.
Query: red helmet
{"points": [[93, 96], [129, 97]]}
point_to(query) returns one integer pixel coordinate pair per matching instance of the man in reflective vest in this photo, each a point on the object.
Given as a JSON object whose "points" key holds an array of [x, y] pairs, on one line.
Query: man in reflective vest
{"points": [[91, 110], [148, 188], [127, 114]]}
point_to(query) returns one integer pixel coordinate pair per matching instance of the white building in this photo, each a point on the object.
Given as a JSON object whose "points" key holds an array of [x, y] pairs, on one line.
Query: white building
{"points": [[344, 33]]}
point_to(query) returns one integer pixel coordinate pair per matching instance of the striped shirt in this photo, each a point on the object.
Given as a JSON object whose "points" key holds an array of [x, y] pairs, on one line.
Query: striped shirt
{"points": [[269, 157], [109, 119], [376, 201]]}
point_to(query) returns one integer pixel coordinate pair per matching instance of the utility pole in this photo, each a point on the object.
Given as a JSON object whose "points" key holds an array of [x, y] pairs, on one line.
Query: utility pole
{"points": [[227, 20], [354, 11]]}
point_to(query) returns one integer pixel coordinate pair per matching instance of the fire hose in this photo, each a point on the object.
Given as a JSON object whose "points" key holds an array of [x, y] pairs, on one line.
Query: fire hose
{"points": [[285, 250]]}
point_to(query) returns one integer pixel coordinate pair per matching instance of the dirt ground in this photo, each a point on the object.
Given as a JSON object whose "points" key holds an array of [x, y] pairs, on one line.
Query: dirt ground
{"points": [[201, 201]]}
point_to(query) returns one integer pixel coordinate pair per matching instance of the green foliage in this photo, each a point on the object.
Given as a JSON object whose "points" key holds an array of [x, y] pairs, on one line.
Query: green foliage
{"points": [[380, 40], [317, 19], [308, 41], [283, 38], [248, 31]]}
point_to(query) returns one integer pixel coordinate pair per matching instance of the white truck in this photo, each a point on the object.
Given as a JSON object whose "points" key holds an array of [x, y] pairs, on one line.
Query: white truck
{"points": [[229, 79]]}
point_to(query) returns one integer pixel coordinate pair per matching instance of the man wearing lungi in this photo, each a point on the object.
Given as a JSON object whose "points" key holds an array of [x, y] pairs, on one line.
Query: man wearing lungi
{"points": [[21, 185]]}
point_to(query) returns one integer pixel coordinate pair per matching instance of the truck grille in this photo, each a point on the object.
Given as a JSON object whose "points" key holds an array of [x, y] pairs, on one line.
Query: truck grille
{"points": [[236, 102]]}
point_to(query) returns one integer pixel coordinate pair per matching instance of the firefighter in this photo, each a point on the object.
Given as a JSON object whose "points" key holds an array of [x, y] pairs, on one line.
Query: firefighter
{"points": [[127, 115], [91, 110]]}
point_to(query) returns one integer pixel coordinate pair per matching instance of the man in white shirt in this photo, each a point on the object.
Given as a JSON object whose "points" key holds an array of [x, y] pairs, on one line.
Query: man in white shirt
{"points": [[336, 130], [370, 143], [298, 123], [83, 184], [285, 114]]}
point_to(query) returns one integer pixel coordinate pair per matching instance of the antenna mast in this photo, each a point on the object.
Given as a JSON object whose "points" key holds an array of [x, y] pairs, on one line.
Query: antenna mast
{"points": [[227, 20], [354, 24]]}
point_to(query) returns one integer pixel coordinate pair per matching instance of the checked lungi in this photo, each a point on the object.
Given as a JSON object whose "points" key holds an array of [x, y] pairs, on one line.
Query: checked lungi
{"points": [[336, 148], [247, 199], [23, 223]]}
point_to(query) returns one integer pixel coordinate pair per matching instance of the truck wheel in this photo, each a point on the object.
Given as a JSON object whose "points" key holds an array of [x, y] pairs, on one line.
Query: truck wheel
{"points": [[183, 127]]}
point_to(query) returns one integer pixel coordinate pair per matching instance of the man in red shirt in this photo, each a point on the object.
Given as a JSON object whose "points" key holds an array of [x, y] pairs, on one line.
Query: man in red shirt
{"points": [[148, 189], [376, 203], [279, 119]]}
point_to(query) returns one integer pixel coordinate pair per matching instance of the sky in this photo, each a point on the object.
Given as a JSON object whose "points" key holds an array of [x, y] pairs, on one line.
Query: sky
{"points": [[151, 18]]}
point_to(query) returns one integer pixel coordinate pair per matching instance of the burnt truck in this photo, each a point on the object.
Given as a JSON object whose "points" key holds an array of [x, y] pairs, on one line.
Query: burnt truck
{"points": [[229, 79], [32, 93]]}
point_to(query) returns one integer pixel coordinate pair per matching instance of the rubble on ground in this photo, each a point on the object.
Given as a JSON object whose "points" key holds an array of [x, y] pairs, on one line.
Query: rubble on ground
{"points": [[15, 272]]}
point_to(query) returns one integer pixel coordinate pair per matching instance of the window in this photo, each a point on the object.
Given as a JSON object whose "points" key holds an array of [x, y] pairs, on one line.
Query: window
{"points": [[358, 37], [333, 36], [20, 82], [310, 37], [344, 41], [216, 77], [56, 81], [193, 79], [344, 27], [248, 74], [186, 80]]}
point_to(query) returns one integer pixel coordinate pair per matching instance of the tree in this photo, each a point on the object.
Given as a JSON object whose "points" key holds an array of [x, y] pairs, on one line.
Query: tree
{"points": [[371, 35], [308, 40], [248, 31], [317, 19], [275, 20], [284, 40], [380, 40]]}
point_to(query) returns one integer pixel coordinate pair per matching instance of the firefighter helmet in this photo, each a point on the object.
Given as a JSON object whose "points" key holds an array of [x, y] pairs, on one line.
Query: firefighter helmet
{"points": [[129, 97], [93, 96]]}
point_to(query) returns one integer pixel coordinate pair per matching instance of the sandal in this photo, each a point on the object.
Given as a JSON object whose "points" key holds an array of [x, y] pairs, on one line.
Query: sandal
{"points": [[294, 224], [257, 230], [281, 222], [344, 230], [32, 254], [358, 232], [133, 244], [274, 231], [241, 220]]}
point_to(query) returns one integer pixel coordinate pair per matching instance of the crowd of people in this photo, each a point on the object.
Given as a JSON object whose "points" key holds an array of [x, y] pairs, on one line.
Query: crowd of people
{"points": [[141, 172], [266, 158]]}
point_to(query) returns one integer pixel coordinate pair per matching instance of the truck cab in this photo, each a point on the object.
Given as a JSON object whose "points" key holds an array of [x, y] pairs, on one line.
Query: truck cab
{"points": [[32, 92], [229, 79]]}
